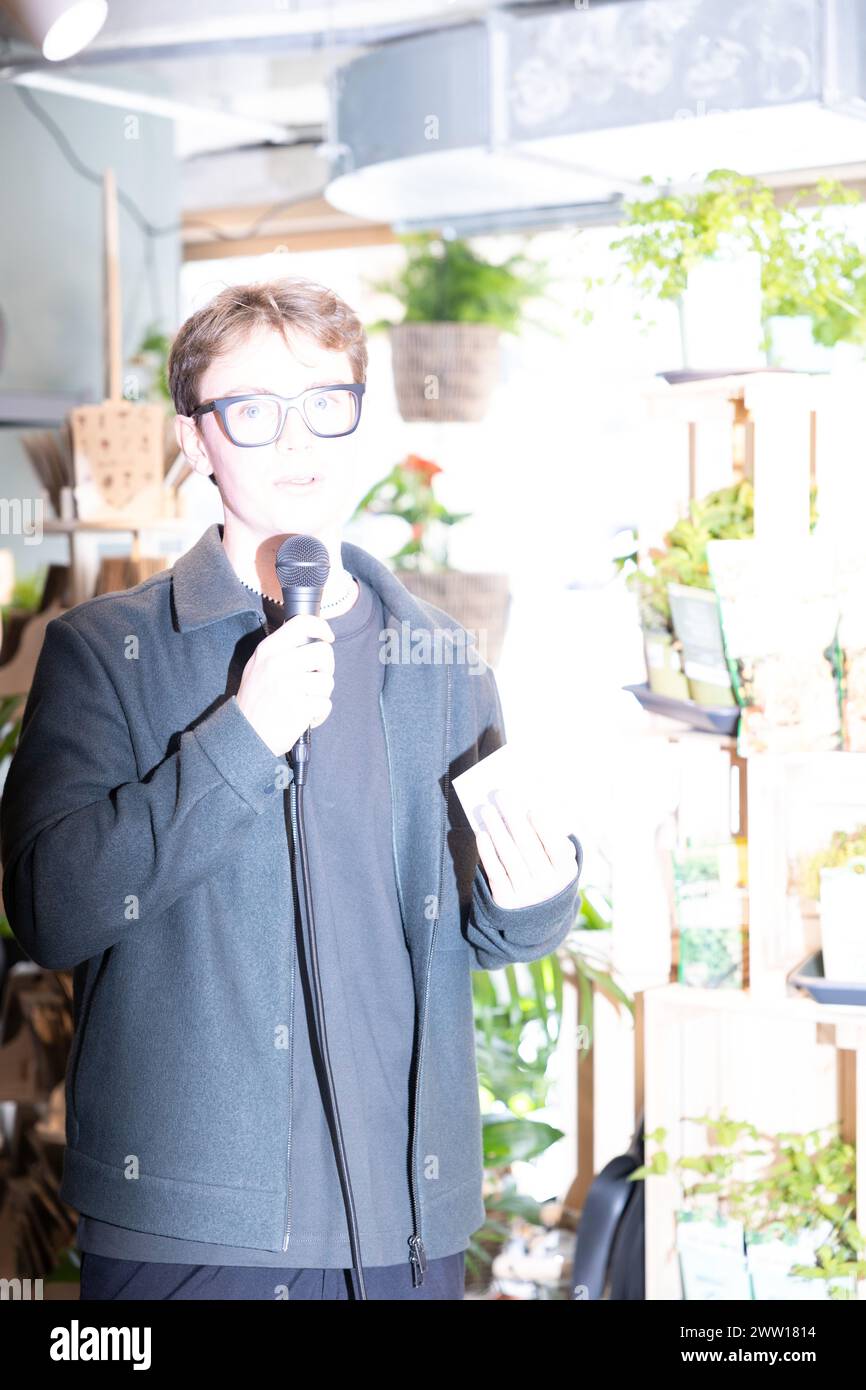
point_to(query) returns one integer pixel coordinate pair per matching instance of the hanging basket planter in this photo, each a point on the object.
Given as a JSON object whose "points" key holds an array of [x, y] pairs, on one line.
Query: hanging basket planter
{"points": [[479, 602], [444, 371]]}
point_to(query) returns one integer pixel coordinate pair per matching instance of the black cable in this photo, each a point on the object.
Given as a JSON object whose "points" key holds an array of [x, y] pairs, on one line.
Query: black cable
{"points": [[145, 225], [302, 871]]}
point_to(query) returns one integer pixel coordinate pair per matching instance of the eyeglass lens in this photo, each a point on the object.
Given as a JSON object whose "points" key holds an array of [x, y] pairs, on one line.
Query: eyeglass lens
{"points": [[256, 421]]}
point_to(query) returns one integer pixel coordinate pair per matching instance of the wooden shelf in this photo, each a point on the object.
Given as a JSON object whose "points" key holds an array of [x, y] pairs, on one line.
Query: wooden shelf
{"points": [[767, 1054], [59, 526]]}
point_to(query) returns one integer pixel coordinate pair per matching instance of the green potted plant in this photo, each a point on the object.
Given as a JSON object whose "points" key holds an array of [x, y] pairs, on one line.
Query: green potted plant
{"points": [[445, 350], [835, 877], [480, 602], [662, 650], [678, 607], [806, 267], [766, 1216], [152, 355]]}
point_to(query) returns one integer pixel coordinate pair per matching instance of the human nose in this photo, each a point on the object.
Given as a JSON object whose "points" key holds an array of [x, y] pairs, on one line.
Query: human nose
{"points": [[294, 434]]}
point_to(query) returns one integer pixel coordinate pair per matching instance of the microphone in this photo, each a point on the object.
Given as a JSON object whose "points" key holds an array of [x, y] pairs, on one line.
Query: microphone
{"points": [[303, 565]]}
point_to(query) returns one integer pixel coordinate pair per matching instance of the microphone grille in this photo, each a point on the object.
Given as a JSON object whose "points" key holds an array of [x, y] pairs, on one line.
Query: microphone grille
{"points": [[302, 562]]}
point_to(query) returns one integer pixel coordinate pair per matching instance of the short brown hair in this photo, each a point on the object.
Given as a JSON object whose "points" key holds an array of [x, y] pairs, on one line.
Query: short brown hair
{"points": [[293, 302]]}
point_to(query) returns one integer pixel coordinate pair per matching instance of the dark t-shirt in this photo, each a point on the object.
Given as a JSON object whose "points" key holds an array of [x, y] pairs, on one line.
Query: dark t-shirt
{"points": [[367, 987]]}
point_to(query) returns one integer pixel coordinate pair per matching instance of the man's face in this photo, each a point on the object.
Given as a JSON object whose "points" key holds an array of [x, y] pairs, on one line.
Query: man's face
{"points": [[253, 482]]}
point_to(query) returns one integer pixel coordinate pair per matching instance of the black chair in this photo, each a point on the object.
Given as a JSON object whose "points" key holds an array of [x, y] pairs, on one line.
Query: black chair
{"points": [[609, 1246]]}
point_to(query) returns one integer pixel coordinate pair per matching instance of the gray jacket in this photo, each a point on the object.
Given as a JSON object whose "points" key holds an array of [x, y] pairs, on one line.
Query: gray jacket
{"points": [[146, 846]]}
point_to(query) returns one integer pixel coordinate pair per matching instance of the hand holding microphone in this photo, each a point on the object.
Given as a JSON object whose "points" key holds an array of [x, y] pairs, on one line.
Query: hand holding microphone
{"points": [[287, 682], [286, 686]]}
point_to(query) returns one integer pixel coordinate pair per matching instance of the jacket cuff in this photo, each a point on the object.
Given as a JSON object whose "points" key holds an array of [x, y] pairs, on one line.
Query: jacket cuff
{"points": [[529, 926], [241, 757]]}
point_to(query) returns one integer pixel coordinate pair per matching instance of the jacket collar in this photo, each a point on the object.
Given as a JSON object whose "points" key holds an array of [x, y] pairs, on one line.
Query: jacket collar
{"points": [[206, 589]]}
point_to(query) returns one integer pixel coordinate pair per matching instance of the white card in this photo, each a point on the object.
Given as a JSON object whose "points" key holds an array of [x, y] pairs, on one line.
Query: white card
{"points": [[506, 771]]}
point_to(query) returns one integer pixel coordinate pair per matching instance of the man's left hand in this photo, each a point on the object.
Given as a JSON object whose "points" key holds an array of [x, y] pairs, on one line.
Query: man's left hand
{"points": [[525, 854]]}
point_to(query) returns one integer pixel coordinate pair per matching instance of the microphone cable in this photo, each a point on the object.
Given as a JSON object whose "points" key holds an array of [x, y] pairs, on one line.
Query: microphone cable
{"points": [[300, 559]]}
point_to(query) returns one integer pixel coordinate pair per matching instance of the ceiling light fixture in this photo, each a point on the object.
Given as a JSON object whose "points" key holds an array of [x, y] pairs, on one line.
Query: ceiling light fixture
{"points": [[59, 29]]}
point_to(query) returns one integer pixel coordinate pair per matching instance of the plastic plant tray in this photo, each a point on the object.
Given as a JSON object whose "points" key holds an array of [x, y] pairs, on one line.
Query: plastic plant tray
{"points": [[712, 719], [809, 975]]}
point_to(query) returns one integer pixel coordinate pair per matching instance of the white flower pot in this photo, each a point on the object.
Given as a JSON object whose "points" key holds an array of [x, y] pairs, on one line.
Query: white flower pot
{"points": [[771, 1256], [843, 921], [712, 1258], [720, 321]]}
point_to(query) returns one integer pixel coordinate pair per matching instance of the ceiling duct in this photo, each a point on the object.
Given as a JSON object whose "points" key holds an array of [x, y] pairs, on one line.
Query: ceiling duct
{"points": [[536, 117]]}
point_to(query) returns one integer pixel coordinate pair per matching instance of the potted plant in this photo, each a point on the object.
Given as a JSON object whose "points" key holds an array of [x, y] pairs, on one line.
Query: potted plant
{"points": [[445, 350], [835, 877], [678, 606], [767, 1216], [479, 602], [662, 650], [793, 260]]}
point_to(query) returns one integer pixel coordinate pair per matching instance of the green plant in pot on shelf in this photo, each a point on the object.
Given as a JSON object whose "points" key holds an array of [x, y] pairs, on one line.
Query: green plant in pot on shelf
{"points": [[808, 268], [479, 602], [834, 877], [518, 1025], [760, 1213], [676, 599], [445, 350]]}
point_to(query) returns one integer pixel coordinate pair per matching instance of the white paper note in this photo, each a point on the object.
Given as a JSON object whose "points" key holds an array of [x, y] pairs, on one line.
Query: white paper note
{"points": [[533, 785]]}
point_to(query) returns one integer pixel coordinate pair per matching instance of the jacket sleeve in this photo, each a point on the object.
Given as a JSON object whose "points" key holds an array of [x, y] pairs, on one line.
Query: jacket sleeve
{"points": [[91, 852], [500, 936]]}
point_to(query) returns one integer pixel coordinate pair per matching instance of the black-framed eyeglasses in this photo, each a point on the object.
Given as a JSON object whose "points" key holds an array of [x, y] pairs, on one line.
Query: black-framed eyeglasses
{"points": [[257, 419]]}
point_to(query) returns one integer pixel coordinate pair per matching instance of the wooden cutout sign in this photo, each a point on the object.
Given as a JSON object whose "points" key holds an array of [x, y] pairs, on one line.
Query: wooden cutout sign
{"points": [[118, 446], [118, 455]]}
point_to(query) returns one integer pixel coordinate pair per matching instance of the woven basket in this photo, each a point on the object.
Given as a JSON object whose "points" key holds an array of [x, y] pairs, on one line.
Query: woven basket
{"points": [[478, 602], [458, 364]]}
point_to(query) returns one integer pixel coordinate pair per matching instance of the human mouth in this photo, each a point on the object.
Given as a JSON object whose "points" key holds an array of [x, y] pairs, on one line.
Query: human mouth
{"points": [[299, 482]]}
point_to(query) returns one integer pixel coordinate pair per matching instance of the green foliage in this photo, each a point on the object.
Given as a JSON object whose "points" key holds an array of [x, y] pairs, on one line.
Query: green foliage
{"points": [[10, 725], [517, 1030], [805, 1179], [445, 281], [808, 266], [726, 513], [407, 492], [152, 354], [27, 592], [845, 846]]}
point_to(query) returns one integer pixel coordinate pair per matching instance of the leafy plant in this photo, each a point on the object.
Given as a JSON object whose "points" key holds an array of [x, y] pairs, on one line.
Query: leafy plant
{"points": [[517, 1031], [445, 281], [844, 847], [152, 354], [407, 492], [727, 513], [806, 1179], [27, 592], [808, 266]]}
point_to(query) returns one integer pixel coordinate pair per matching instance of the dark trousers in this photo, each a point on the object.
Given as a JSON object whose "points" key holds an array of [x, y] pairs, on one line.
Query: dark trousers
{"points": [[103, 1277]]}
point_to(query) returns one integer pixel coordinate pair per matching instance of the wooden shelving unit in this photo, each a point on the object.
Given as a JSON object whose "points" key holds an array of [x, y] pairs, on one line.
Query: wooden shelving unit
{"points": [[767, 1053], [85, 536]]}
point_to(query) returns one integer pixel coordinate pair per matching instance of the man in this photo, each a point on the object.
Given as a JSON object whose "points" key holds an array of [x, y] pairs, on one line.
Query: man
{"points": [[146, 846]]}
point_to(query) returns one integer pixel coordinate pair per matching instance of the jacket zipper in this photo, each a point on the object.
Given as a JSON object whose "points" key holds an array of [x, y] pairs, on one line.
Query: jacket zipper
{"points": [[417, 1253]]}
